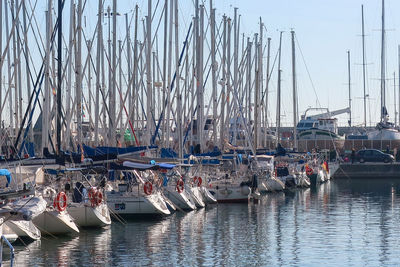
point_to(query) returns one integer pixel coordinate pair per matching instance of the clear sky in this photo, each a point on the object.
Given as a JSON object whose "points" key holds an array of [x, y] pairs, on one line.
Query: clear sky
{"points": [[325, 30]]}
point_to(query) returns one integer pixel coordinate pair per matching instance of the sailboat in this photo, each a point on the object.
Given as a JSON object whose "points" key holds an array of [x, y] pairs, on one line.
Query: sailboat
{"points": [[384, 129]]}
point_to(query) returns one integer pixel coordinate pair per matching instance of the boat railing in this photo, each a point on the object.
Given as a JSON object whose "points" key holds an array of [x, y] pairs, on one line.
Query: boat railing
{"points": [[4, 240]]}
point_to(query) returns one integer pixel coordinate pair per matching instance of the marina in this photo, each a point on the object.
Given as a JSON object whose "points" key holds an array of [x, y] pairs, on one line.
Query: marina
{"points": [[175, 133]]}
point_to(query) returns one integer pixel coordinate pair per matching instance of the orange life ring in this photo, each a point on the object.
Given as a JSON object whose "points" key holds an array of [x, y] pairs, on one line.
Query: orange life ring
{"points": [[199, 181], [309, 171], [180, 186], [148, 188], [60, 202], [98, 196]]}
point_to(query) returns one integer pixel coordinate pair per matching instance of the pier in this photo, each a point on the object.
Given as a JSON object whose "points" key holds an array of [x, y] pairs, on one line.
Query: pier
{"points": [[366, 170]]}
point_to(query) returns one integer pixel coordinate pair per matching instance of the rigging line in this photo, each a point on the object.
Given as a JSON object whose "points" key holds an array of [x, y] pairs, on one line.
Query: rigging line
{"points": [[308, 72]]}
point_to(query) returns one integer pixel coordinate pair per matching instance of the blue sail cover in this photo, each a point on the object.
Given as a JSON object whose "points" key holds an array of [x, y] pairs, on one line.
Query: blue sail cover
{"points": [[106, 150], [166, 166], [139, 166], [7, 174]]}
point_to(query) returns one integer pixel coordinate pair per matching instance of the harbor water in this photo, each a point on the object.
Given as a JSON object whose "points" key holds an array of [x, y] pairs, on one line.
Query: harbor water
{"points": [[340, 223]]}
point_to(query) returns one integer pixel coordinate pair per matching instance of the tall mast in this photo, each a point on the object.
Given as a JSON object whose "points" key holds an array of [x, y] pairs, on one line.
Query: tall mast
{"points": [[135, 71], [278, 105], [266, 90], [294, 93], [168, 116], [178, 91], [348, 67], [27, 68], [98, 80], [78, 74], [59, 76], [149, 88], [128, 47], [164, 70], [1, 67], [235, 70], [394, 97], [260, 83], [46, 100], [223, 96], [112, 89], [383, 92], [214, 74], [363, 64]]}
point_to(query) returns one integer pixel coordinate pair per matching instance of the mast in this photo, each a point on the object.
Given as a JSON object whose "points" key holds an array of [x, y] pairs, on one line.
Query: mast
{"points": [[294, 93], [149, 123], [46, 100], [266, 90], [27, 69], [178, 91], [113, 87], [260, 84], [16, 73], [363, 64], [223, 96], [78, 74], [383, 92], [256, 87], [98, 62], [59, 76], [128, 47], [235, 71], [348, 67], [135, 72], [278, 105], [164, 70], [394, 97], [168, 116], [1, 67], [214, 73]]}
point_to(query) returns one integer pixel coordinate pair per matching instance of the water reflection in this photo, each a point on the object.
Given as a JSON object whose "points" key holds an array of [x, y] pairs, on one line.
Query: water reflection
{"points": [[344, 222]]}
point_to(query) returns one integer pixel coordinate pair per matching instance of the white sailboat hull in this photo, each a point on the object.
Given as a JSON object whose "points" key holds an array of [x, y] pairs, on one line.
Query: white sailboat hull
{"points": [[229, 192], [274, 184], [384, 134], [87, 216], [130, 204], [197, 197], [182, 200], [24, 229], [54, 222], [207, 196]]}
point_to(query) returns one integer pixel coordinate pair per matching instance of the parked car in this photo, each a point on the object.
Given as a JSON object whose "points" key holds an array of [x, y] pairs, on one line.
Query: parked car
{"points": [[373, 155]]}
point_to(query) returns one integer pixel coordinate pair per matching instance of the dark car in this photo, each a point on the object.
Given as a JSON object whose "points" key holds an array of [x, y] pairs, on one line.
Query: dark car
{"points": [[373, 155]]}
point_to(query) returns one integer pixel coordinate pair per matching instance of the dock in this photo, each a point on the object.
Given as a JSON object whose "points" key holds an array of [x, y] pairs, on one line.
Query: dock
{"points": [[368, 170]]}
